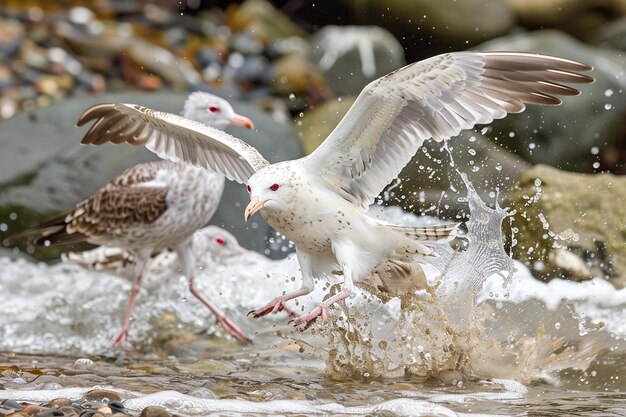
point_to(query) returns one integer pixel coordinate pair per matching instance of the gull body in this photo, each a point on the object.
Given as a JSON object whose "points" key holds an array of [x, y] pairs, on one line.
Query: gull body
{"points": [[319, 201], [151, 207]]}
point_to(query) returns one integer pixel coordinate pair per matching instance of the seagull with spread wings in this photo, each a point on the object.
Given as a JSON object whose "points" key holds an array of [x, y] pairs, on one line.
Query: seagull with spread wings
{"points": [[319, 201]]}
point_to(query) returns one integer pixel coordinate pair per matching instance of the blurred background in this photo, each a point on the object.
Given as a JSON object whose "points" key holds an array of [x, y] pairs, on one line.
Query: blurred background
{"points": [[295, 67]]}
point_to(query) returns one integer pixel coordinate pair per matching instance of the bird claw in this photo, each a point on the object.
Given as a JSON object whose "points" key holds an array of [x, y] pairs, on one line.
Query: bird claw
{"points": [[275, 306], [232, 328], [309, 318]]}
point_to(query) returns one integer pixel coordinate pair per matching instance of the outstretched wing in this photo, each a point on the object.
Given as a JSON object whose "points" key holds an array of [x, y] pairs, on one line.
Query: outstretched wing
{"points": [[172, 137], [435, 98]]}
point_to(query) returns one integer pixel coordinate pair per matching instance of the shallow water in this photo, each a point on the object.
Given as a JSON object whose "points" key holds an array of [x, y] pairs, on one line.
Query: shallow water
{"points": [[527, 351]]}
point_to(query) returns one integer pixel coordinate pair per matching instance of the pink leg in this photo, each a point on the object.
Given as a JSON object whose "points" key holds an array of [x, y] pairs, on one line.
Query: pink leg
{"points": [[226, 323], [320, 310], [123, 335], [187, 260]]}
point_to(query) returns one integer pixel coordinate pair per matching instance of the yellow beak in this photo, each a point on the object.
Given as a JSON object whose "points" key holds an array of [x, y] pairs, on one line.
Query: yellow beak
{"points": [[243, 121], [254, 206]]}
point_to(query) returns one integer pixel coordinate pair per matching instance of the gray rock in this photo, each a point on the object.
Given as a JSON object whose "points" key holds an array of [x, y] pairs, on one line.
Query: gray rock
{"points": [[449, 22], [613, 35], [45, 171], [565, 136], [352, 56], [569, 224]]}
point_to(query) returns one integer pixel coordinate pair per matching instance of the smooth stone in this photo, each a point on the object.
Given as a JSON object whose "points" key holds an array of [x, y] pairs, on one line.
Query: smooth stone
{"points": [[295, 76], [60, 402], [175, 70], [116, 406], [564, 136], [51, 413], [48, 172], [11, 404], [266, 22], [350, 57], [583, 213], [101, 395], [33, 409], [154, 411]]}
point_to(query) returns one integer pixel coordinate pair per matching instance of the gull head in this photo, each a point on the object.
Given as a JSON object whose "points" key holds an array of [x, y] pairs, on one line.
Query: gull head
{"points": [[214, 111], [219, 243], [272, 189]]}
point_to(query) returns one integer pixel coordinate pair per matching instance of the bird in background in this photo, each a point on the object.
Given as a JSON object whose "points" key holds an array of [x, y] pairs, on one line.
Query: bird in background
{"points": [[151, 207], [319, 201], [211, 245]]}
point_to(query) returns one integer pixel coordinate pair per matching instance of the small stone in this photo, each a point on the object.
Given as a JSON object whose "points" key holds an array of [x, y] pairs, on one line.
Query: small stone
{"points": [[11, 404], [60, 402], [47, 84], [83, 363], [116, 407], [104, 410], [102, 395], [51, 413], [154, 411], [90, 413], [33, 409], [70, 411]]}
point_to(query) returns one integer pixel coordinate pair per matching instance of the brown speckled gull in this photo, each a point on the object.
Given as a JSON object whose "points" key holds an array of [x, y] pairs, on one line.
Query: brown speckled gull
{"points": [[318, 201], [150, 207]]}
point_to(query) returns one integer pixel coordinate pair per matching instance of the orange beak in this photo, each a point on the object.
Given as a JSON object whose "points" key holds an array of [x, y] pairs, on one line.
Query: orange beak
{"points": [[254, 206], [243, 121]]}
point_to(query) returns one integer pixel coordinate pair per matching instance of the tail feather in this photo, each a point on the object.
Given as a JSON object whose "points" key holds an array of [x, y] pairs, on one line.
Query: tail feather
{"points": [[53, 230], [441, 233]]}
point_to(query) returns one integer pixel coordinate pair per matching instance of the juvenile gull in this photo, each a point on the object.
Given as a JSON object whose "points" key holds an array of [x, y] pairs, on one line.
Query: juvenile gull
{"points": [[318, 201], [153, 206], [211, 245]]}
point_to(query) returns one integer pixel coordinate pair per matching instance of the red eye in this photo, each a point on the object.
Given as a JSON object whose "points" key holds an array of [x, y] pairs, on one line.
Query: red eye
{"points": [[214, 109], [248, 188], [274, 187], [220, 240]]}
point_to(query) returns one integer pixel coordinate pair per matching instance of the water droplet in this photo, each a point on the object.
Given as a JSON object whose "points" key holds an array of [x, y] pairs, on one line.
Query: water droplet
{"points": [[511, 134], [596, 165], [608, 92], [557, 325], [537, 182], [531, 146], [608, 106], [595, 150], [292, 96]]}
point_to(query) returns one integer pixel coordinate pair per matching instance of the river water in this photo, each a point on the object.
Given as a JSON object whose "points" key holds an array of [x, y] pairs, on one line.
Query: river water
{"points": [[491, 344]]}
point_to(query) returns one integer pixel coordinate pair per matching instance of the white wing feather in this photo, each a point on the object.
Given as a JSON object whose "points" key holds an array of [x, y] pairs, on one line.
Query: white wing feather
{"points": [[435, 98], [172, 137]]}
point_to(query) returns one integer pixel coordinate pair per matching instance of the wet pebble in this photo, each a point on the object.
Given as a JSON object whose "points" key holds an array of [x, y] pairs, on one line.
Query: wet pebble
{"points": [[116, 407], [11, 405], [51, 413], [154, 411], [60, 402], [101, 395]]}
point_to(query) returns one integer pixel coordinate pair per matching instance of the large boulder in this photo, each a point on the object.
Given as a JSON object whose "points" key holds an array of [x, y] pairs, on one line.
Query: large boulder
{"points": [[584, 130], [437, 24], [570, 224], [46, 171]]}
